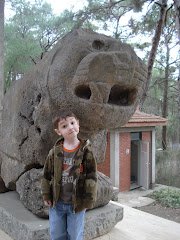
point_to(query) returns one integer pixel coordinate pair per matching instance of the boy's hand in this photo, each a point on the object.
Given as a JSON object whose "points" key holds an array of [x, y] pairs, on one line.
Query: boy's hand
{"points": [[48, 203]]}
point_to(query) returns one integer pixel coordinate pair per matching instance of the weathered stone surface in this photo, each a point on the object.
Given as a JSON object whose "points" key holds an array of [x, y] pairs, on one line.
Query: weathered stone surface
{"points": [[29, 188], [105, 190], [3, 188], [98, 77], [20, 223], [115, 194], [101, 220]]}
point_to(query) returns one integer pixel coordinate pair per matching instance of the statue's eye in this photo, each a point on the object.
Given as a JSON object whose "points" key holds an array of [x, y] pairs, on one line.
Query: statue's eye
{"points": [[97, 44], [122, 96], [83, 91]]}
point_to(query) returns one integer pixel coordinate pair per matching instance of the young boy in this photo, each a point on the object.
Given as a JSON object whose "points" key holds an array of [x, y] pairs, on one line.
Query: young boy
{"points": [[69, 184]]}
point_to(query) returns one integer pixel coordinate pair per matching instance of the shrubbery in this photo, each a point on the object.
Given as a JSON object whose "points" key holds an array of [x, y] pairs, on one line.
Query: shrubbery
{"points": [[168, 167], [169, 197]]}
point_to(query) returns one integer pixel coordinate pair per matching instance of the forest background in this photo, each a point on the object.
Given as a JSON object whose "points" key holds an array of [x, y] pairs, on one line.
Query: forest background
{"points": [[151, 27]]}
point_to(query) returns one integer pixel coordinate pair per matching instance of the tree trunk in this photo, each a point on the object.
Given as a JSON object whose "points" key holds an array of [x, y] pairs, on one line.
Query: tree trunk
{"points": [[165, 97], [1, 51], [179, 105], [155, 43], [177, 10]]}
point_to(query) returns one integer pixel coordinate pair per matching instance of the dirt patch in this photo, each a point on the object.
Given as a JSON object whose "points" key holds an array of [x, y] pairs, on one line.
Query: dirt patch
{"points": [[156, 209]]}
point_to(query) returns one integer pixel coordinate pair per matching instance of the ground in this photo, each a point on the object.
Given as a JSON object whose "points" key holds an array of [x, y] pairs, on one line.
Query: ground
{"points": [[155, 208]]}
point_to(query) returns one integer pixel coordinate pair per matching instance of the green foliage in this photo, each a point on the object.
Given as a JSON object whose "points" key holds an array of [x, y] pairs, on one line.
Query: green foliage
{"points": [[29, 33], [109, 15], [163, 156], [149, 20], [137, 5], [168, 167], [172, 133], [167, 197]]}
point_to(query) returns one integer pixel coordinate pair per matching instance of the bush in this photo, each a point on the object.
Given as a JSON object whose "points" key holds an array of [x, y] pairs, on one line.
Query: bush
{"points": [[168, 167], [169, 197], [162, 156]]}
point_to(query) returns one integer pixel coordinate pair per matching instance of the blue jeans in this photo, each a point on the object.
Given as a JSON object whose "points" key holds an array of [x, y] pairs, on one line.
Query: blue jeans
{"points": [[64, 224]]}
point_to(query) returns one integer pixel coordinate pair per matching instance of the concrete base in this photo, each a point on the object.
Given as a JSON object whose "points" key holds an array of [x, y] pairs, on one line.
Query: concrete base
{"points": [[20, 223]]}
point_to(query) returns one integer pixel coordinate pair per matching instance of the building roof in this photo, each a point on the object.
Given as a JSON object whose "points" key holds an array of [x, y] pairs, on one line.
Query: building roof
{"points": [[141, 119]]}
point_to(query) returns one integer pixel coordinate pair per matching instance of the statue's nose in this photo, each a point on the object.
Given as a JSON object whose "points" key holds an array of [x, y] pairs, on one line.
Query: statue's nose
{"points": [[100, 92], [101, 78], [103, 93], [96, 92]]}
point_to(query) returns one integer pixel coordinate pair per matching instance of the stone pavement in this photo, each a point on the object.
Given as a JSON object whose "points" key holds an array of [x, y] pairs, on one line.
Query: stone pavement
{"points": [[4, 236], [136, 224], [138, 197]]}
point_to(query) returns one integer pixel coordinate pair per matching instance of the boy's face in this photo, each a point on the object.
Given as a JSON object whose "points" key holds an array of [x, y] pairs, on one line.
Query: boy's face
{"points": [[68, 128]]}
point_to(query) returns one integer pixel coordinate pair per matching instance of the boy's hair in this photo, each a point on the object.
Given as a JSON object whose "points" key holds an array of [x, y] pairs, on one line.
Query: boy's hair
{"points": [[62, 114]]}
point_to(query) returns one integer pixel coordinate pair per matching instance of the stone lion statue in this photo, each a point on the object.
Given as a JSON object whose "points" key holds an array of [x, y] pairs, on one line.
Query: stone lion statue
{"points": [[98, 77]]}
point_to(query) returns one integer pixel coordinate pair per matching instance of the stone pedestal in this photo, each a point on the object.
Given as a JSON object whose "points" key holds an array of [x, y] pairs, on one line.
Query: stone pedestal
{"points": [[20, 223]]}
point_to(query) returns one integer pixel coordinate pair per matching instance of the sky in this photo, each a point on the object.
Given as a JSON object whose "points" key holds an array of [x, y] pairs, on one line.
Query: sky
{"points": [[60, 5]]}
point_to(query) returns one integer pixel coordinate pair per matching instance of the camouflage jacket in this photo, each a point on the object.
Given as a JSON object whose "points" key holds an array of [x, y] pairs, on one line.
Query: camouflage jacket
{"points": [[85, 183]]}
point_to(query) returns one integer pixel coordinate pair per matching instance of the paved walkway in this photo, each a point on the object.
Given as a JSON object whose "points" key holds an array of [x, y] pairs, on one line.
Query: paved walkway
{"points": [[4, 236], [138, 197], [136, 224]]}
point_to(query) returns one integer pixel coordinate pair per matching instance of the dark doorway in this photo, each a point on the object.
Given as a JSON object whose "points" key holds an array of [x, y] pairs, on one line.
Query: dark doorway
{"points": [[139, 161]]}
